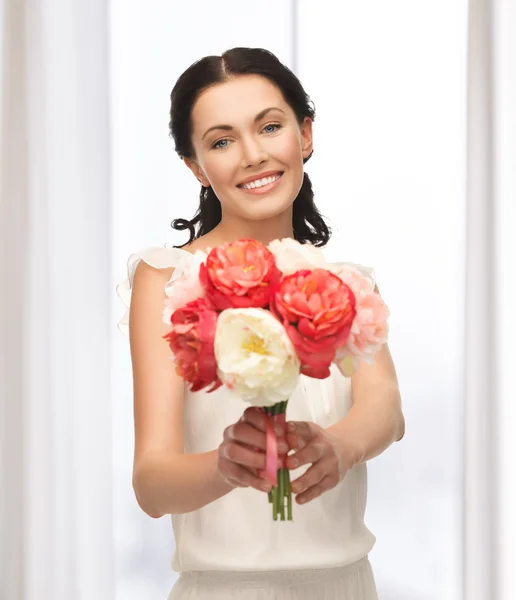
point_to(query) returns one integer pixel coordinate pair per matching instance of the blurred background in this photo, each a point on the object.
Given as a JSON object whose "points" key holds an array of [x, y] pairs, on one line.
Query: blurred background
{"points": [[414, 168]]}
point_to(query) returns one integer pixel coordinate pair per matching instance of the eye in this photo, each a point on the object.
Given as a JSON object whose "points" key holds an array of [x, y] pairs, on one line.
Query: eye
{"points": [[275, 125], [216, 144]]}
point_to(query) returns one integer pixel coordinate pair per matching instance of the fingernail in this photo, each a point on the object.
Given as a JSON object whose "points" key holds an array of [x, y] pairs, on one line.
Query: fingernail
{"points": [[300, 443], [294, 462], [302, 500], [291, 426], [265, 486], [282, 448], [278, 430]]}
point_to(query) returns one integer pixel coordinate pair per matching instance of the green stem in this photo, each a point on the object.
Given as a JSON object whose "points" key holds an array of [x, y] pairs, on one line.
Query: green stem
{"points": [[289, 498], [281, 493], [280, 497], [285, 492]]}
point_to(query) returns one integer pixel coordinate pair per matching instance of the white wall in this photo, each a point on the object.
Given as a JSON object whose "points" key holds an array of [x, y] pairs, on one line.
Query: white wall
{"points": [[388, 82]]}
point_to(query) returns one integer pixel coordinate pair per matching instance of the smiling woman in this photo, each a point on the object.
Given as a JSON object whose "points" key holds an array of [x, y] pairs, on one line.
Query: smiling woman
{"points": [[252, 176], [254, 149], [242, 123]]}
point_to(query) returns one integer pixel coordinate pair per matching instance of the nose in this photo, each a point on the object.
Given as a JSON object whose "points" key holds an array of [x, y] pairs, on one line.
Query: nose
{"points": [[253, 153]]}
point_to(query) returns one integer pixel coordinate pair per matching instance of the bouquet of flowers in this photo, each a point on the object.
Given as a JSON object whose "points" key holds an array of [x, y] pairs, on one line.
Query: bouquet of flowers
{"points": [[254, 317]]}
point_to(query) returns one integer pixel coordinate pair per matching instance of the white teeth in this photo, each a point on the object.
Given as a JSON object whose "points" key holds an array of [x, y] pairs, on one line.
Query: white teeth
{"points": [[261, 182]]}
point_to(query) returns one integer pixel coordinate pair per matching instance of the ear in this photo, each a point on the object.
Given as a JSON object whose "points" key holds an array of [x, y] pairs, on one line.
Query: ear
{"points": [[306, 137], [197, 171]]}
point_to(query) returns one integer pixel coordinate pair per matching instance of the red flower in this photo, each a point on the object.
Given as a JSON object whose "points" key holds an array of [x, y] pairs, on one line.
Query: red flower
{"points": [[239, 275], [191, 340], [317, 309]]}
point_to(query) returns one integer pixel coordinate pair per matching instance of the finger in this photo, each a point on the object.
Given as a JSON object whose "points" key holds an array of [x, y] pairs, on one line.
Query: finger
{"points": [[313, 452], [282, 450], [299, 433], [294, 441], [239, 476], [316, 490], [247, 457], [258, 418], [313, 476], [246, 434]]}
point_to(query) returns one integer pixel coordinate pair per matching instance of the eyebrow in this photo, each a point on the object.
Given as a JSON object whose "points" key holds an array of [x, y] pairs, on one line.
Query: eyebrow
{"points": [[258, 117]]}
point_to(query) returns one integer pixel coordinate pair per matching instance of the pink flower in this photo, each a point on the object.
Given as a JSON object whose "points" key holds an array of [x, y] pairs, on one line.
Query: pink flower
{"points": [[239, 275], [353, 276], [370, 328], [185, 288], [317, 310], [191, 340]]}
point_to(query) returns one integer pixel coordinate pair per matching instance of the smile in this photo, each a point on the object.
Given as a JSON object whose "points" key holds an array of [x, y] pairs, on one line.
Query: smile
{"points": [[261, 186]]}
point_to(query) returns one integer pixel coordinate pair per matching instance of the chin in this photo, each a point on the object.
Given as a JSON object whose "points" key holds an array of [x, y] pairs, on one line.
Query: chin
{"points": [[266, 209], [264, 214]]}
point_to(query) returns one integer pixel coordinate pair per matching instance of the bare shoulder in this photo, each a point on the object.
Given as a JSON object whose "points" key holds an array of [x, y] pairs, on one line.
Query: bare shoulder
{"points": [[144, 271]]}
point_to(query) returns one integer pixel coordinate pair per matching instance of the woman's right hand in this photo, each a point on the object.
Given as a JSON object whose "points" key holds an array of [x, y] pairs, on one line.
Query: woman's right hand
{"points": [[242, 451]]}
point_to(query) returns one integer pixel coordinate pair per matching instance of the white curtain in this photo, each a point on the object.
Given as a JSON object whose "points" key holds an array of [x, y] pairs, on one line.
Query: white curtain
{"points": [[55, 428], [489, 448]]}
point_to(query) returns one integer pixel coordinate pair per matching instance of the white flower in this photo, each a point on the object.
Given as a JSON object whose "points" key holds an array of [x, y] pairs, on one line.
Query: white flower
{"points": [[292, 256], [255, 357], [185, 288]]}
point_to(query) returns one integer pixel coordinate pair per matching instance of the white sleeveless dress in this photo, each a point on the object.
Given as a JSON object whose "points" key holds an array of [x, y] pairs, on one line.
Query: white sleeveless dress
{"points": [[231, 548]]}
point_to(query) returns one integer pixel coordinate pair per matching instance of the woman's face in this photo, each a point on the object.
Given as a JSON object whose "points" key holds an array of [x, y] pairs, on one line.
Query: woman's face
{"points": [[243, 130]]}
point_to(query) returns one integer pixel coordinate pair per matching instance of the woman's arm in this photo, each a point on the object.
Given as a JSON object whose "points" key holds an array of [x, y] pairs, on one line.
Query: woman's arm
{"points": [[165, 479], [171, 483], [373, 423], [376, 419]]}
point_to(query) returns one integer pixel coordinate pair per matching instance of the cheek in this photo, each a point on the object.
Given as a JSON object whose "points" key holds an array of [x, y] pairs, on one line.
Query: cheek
{"points": [[289, 149], [220, 169]]}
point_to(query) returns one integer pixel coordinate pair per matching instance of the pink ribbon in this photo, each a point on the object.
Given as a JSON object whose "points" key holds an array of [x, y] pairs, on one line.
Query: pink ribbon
{"points": [[271, 454]]}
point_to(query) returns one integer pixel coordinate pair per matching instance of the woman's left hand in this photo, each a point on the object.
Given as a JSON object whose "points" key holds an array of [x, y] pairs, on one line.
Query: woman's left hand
{"points": [[329, 457]]}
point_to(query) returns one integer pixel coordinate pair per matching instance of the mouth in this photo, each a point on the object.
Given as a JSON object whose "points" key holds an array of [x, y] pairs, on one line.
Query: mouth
{"points": [[262, 186]]}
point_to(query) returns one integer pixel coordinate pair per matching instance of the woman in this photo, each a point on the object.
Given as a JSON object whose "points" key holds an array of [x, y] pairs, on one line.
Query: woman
{"points": [[242, 123]]}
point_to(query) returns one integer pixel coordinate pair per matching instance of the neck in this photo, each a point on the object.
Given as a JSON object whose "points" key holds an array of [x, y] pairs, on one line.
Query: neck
{"points": [[232, 228]]}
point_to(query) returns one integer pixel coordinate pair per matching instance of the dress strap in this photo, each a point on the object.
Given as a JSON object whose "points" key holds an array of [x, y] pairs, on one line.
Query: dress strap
{"points": [[157, 257]]}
